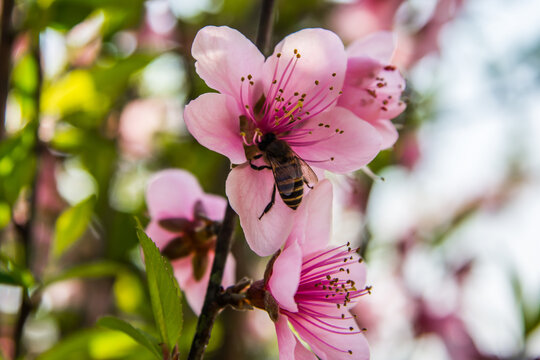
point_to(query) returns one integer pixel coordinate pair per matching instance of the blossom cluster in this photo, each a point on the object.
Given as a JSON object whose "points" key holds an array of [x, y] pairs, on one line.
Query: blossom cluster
{"points": [[310, 107]]}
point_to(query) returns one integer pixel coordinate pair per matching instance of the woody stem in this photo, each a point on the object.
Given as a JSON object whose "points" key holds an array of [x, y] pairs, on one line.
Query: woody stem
{"points": [[211, 305]]}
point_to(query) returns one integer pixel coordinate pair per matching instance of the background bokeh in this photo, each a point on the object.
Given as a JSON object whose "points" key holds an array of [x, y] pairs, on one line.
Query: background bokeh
{"points": [[451, 236]]}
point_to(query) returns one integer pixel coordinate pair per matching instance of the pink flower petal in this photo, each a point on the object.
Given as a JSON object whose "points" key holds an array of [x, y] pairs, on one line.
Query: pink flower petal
{"points": [[327, 344], [223, 56], [286, 339], [312, 228], [301, 353], [378, 46], [172, 193], [340, 152], [229, 273], [372, 91], [249, 191], [213, 120], [388, 133], [289, 346], [194, 290], [159, 236], [215, 206], [286, 276], [321, 55]]}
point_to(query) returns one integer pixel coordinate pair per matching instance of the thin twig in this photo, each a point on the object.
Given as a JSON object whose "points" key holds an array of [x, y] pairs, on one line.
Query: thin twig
{"points": [[6, 44], [26, 229], [211, 307], [266, 21]]}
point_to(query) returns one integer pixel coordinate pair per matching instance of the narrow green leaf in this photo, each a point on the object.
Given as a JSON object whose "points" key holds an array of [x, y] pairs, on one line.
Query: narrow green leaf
{"points": [[71, 225], [164, 292], [138, 335], [12, 274], [91, 270]]}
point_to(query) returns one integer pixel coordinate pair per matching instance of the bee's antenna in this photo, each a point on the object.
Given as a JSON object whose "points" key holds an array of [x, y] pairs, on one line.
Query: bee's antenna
{"points": [[366, 170]]}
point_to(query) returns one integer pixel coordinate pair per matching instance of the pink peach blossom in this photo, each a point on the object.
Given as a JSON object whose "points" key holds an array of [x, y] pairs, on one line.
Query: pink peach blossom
{"points": [[373, 86], [313, 287], [182, 221], [362, 17], [293, 95]]}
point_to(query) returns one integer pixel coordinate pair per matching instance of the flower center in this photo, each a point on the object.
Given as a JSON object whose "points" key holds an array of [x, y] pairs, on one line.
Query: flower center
{"points": [[284, 110], [325, 282]]}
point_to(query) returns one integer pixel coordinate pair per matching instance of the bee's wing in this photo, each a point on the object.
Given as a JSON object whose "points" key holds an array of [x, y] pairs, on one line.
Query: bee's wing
{"points": [[309, 175], [286, 175]]}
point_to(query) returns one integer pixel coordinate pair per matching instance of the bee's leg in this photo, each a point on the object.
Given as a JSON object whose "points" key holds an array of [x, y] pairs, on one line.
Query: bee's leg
{"points": [[307, 184], [270, 204]]}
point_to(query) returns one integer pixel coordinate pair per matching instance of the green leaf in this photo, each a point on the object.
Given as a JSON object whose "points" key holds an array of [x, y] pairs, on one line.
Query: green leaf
{"points": [[91, 270], [71, 225], [12, 274], [164, 292], [138, 335], [97, 343]]}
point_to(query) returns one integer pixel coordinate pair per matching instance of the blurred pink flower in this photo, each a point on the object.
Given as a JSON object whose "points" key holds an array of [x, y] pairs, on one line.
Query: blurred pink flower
{"points": [[311, 287], [452, 331], [356, 20], [373, 87], [409, 151], [291, 96], [158, 30], [140, 121], [183, 226]]}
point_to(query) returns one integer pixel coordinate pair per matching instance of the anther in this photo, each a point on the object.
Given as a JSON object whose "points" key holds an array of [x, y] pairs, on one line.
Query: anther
{"points": [[316, 82], [250, 77], [278, 55], [242, 78], [295, 51], [333, 74], [350, 352], [331, 88]]}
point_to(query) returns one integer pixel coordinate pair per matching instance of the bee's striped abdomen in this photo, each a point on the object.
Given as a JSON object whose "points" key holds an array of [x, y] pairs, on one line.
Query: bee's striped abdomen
{"points": [[293, 199], [291, 189]]}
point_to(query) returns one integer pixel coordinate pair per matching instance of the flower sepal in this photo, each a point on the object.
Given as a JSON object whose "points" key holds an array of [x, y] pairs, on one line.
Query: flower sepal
{"points": [[258, 296]]}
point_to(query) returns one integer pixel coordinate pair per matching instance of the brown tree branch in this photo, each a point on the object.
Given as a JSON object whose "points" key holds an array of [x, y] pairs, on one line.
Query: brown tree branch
{"points": [[266, 20], [6, 44], [26, 229], [211, 306]]}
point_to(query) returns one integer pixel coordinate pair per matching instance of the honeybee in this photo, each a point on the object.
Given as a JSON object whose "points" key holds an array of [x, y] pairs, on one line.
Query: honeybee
{"points": [[290, 171]]}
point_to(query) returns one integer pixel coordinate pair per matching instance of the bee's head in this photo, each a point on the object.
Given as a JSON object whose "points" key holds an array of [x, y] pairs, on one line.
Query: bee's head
{"points": [[266, 140]]}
